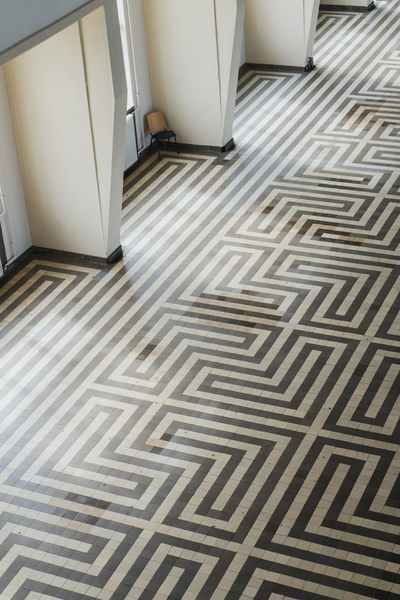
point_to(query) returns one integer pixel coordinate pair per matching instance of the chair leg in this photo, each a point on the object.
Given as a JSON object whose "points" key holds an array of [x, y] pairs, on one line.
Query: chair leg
{"points": [[158, 150], [176, 144], [151, 143], [168, 144]]}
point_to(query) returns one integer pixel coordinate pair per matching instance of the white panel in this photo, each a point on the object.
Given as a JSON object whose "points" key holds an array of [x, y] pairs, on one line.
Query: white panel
{"points": [[131, 155]]}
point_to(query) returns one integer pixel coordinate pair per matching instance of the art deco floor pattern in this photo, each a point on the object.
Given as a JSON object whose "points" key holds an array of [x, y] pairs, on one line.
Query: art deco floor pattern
{"points": [[216, 417]]}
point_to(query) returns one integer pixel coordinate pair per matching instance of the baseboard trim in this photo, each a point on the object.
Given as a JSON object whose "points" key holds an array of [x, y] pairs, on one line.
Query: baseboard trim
{"points": [[113, 257], [262, 67], [340, 8], [199, 148]]}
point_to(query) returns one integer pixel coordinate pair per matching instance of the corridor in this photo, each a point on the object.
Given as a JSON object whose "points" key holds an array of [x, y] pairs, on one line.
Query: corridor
{"points": [[216, 416]]}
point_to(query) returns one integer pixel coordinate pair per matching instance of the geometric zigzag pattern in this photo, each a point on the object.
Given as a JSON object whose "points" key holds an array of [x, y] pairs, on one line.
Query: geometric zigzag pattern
{"points": [[216, 417]]}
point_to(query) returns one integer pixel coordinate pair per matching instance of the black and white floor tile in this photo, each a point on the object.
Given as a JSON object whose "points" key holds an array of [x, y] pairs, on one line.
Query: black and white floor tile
{"points": [[216, 417]]}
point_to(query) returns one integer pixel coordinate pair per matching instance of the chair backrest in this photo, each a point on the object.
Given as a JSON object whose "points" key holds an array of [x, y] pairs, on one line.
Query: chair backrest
{"points": [[156, 122]]}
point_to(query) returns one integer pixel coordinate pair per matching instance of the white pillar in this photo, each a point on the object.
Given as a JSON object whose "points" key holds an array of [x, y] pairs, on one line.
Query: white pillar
{"points": [[194, 53], [68, 103], [280, 33]]}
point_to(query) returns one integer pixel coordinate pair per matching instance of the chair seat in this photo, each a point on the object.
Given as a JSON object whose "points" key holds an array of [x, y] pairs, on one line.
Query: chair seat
{"points": [[163, 135]]}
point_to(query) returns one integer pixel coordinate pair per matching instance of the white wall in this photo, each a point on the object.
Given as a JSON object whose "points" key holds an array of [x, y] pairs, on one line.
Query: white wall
{"points": [[10, 177], [64, 100], [194, 52], [280, 32]]}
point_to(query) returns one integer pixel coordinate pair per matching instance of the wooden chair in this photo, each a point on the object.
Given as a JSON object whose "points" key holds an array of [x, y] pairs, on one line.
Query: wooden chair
{"points": [[159, 132]]}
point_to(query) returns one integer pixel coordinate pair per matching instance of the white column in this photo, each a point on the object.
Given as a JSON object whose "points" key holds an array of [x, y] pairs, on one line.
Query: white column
{"points": [[194, 52], [280, 33], [68, 102]]}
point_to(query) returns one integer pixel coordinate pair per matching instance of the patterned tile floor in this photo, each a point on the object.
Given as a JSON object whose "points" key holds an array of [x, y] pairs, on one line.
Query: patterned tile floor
{"points": [[216, 417]]}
